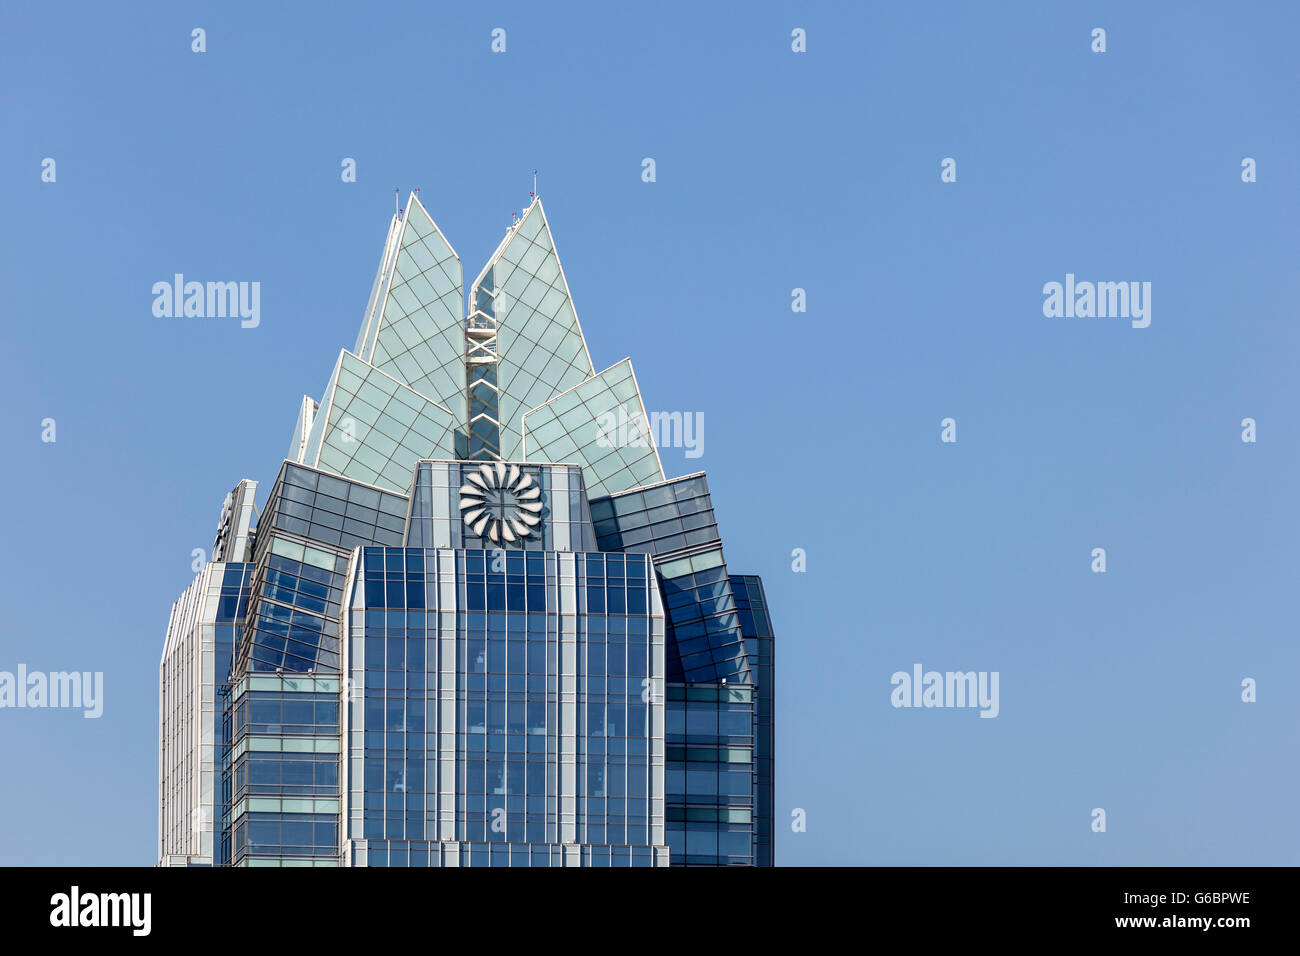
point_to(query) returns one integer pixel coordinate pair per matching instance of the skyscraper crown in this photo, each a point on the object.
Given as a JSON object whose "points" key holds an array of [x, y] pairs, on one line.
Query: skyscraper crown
{"points": [[512, 380]]}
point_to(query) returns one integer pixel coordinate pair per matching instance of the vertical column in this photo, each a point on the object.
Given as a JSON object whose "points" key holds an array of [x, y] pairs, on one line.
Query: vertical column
{"points": [[483, 392]]}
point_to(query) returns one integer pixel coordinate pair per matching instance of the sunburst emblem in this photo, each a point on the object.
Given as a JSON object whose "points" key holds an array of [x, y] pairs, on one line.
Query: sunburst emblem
{"points": [[501, 502]]}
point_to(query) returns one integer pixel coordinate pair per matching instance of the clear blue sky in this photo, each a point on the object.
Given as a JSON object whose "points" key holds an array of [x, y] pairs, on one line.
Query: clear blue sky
{"points": [[775, 170]]}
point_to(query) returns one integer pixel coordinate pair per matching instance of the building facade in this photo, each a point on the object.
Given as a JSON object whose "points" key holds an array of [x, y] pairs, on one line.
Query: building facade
{"points": [[474, 624]]}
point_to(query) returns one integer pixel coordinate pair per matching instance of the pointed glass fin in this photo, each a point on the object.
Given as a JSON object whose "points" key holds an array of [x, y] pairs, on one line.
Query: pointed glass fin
{"points": [[418, 336], [540, 347], [602, 425], [373, 428]]}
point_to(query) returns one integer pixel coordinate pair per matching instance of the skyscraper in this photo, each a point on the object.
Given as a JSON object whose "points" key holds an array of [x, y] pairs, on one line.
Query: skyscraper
{"points": [[474, 623]]}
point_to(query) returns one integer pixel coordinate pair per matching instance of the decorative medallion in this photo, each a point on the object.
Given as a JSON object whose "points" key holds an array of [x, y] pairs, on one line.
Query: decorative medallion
{"points": [[501, 503]]}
